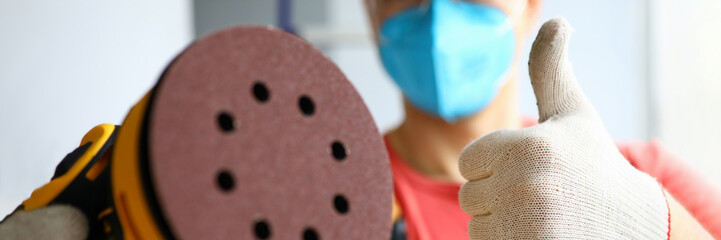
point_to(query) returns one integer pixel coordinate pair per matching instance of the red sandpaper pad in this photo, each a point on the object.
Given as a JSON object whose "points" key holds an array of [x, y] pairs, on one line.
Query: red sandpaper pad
{"points": [[254, 134]]}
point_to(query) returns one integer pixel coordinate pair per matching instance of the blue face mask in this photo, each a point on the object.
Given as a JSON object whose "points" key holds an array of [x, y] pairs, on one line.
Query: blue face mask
{"points": [[448, 57]]}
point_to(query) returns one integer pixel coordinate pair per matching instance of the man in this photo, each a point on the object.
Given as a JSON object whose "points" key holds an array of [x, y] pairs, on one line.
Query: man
{"points": [[456, 64]]}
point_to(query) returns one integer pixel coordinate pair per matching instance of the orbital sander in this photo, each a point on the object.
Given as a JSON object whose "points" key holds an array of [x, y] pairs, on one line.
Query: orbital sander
{"points": [[249, 133]]}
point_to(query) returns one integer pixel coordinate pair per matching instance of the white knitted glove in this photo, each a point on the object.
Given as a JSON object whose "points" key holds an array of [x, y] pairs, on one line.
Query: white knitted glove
{"points": [[563, 178], [54, 222]]}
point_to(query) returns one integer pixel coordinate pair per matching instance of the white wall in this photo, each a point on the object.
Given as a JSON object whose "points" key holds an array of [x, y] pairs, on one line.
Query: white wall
{"points": [[687, 66], [211, 15], [66, 66]]}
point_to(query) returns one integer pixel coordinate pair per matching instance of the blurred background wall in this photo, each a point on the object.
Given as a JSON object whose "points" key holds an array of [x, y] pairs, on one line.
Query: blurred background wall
{"points": [[686, 60], [651, 68], [66, 66]]}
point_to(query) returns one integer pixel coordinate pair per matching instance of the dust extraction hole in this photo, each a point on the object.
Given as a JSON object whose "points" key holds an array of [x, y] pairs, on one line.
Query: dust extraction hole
{"points": [[225, 181], [310, 234], [341, 204], [260, 92], [226, 122], [262, 229], [306, 105], [338, 150]]}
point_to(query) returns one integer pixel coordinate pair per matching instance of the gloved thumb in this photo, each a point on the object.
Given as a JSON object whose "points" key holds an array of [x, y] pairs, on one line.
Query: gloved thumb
{"points": [[554, 84]]}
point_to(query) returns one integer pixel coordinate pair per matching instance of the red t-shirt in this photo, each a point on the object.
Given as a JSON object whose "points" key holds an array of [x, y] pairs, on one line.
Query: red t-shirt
{"points": [[431, 211]]}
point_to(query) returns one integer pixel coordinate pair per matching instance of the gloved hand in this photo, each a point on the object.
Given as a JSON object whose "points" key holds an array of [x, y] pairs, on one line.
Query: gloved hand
{"points": [[54, 222], [563, 178]]}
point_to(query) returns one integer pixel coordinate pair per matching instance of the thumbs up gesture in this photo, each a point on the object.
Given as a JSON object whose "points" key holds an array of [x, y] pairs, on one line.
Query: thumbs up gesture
{"points": [[563, 178]]}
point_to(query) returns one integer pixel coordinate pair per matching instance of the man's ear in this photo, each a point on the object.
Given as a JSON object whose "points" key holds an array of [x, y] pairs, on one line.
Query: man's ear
{"points": [[531, 15], [371, 7]]}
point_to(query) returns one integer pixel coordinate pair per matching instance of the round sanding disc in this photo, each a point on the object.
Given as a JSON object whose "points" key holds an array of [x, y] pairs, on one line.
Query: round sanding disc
{"points": [[254, 134]]}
